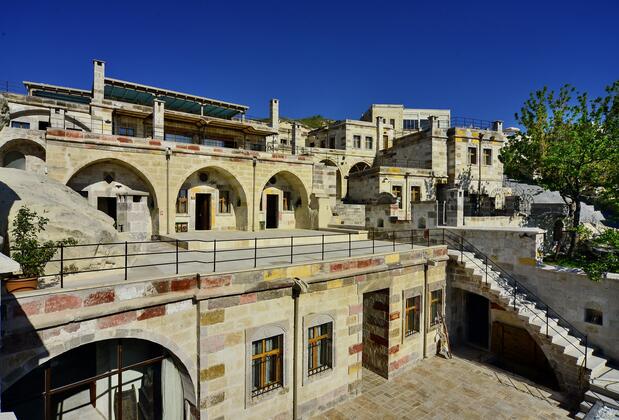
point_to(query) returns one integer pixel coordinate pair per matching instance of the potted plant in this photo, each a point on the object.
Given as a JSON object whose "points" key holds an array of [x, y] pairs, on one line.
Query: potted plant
{"points": [[28, 251]]}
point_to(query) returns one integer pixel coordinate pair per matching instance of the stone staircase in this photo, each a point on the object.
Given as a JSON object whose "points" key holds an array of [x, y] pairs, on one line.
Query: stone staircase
{"points": [[601, 379]]}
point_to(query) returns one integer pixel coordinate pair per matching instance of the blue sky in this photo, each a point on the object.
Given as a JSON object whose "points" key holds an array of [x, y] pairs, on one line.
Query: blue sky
{"points": [[479, 58]]}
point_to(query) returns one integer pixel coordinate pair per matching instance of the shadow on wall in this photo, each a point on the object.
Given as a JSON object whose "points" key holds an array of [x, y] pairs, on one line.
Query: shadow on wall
{"points": [[7, 199]]}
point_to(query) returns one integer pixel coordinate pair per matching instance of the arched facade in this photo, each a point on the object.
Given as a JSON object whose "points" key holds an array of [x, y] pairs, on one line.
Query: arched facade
{"points": [[211, 198], [339, 193], [358, 167], [23, 154], [122, 192], [283, 202]]}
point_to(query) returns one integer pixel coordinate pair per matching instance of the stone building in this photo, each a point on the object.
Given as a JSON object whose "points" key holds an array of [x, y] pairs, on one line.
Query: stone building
{"points": [[189, 163], [406, 120]]}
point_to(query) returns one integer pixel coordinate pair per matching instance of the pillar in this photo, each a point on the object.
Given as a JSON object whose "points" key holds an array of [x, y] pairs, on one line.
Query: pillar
{"points": [[101, 115], [57, 118], [158, 119]]}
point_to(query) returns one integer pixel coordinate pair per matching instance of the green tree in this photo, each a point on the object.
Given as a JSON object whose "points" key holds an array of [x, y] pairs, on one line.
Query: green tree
{"points": [[569, 143], [28, 251]]}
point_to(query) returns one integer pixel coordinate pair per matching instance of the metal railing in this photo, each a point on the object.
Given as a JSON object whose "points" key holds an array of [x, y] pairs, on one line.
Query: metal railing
{"points": [[464, 122], [518, 291], [378, 241], [14, 87]]}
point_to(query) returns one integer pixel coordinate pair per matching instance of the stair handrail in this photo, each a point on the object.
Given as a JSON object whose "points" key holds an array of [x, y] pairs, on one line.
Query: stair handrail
{"points": [[461, 241]]}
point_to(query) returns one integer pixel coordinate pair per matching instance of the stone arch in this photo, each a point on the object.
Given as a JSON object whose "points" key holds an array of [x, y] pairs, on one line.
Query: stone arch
{"points": [[359, 167], [217, 179], [565, 372], [109, 178], [32, 155], [294, 214], [44, 355], [339, 193]]}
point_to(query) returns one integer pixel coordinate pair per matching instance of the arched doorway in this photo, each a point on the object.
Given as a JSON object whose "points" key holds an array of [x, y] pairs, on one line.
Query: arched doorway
{"points": [[339, 194], [110, 379], [211, 198], [284, 203], [23, 154], [122, 192]]}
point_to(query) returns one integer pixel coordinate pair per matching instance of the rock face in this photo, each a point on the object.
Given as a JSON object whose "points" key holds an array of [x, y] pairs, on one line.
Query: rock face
{"points": [[69, 213]]}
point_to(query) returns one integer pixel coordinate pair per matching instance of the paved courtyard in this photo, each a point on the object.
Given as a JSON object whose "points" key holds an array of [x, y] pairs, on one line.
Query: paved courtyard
{"points": [[448, 389]]}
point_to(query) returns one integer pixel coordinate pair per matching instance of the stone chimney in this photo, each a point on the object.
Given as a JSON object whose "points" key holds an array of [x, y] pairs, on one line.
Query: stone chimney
{"points": [[98, 83], [378, 144], [497, 125], [293, 140], [274, 113], [432, 122]]}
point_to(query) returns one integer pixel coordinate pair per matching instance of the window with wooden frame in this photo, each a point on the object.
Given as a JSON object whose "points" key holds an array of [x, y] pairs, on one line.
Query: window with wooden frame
{"points": [[287, 204], [472, 155], [436, 306], [319, 348], [488, 157], [356, 142], [181, 201], [224, 201], [369, 142], [415, 194], [267, 364], [396, 191], [412, 316]]}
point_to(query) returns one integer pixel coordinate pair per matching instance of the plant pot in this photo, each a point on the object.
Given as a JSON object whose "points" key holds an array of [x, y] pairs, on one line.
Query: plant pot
{"points": [[16, 285]]}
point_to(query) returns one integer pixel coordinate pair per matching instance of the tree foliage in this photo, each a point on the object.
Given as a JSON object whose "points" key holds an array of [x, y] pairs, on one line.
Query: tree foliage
{"points": [[569, 144], [29, 252]]}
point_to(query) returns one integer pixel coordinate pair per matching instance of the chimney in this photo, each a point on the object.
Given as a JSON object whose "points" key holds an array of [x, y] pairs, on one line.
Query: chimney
{"points": [[98, 83], [497, 125], [433, 122], [274, 113]]}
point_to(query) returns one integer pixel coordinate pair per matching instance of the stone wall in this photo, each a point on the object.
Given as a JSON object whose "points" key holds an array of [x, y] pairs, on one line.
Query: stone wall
{"points": [[210, 322]]}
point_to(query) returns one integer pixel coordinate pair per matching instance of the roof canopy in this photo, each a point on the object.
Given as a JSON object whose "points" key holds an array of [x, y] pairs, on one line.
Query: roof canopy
{"points": [[58, 92], [175, 101]]}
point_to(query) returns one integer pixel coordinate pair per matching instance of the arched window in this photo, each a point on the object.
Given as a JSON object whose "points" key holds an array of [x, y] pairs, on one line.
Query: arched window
{"points": [[15, 160]]}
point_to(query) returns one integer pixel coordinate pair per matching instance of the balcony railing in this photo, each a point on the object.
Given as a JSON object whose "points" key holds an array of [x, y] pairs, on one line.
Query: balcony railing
{"points": [[463, 122]]}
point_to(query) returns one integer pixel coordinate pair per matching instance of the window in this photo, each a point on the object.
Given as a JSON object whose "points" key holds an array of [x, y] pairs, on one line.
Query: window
{"points": [[412, 315], [436, 306], [415, 194], [396, 191], [424, 123], [43, 125], [287, 205], [472, 155], [126, 131], [356, 141], [369, 142], [332, 142], [179, 138], [224, 201], [19, 124], [411, 124], [266, 364], [487, 157], [181, 201], [593, 316], [392, 122], [319, 348], [385, 142]]}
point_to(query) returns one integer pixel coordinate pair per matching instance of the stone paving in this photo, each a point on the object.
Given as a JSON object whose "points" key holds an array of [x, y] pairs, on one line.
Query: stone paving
{"points": [[448, 389]]}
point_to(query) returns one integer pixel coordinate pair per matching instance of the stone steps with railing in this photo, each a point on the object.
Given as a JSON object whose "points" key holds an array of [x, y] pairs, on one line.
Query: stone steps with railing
{"points": [[603, 381]]}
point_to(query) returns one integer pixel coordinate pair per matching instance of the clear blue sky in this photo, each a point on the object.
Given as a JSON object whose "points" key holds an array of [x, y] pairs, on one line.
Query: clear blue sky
{"points": [[479, 58]]}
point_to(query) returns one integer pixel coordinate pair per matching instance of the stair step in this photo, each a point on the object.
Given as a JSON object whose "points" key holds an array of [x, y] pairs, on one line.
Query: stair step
{"points": [[585, 406], [606, 382], [595, 396], [580, 415]]}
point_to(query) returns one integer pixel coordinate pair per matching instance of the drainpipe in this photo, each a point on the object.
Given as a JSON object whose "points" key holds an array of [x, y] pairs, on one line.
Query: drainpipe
{"points": [[168, 153], [299, 287], [425, 309], [253, 195]]}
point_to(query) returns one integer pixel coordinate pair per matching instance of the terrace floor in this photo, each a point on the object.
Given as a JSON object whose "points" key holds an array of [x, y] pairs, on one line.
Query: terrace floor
{"points": [[456, 388], [235, 251]]}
